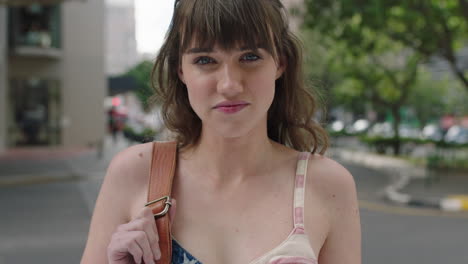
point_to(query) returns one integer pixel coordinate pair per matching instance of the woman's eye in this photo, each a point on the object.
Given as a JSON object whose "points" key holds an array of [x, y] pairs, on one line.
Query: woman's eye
{"points": [[250, 57], [203, 60]]}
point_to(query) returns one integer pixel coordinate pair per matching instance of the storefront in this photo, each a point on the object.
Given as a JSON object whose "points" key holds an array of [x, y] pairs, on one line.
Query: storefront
{"points": [[52, 73], [34, 109], [34, 103]]}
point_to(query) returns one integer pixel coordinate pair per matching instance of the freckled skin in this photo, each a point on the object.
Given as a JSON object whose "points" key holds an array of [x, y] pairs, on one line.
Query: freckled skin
{"points": [[140, 155]]}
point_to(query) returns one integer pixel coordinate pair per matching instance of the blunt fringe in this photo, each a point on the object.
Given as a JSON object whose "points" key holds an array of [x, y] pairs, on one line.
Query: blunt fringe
{"points": [[229, 23]]}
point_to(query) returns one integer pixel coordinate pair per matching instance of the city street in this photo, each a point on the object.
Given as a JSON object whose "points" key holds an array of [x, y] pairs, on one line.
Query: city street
{"points": [[48, 223], [80, 81]]}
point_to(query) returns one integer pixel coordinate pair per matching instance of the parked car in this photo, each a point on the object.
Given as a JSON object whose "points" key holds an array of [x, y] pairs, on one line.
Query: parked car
{"points": [[385, 130], [336, 126], [457, 134], [359, 126], [432, 132], [407, 131]]}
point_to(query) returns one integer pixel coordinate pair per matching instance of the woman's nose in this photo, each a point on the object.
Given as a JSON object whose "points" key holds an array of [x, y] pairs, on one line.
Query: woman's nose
{"points": [[230, 81]]}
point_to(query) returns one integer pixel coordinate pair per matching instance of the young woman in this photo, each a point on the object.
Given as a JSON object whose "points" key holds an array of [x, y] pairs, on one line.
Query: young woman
{"points": [[248, 190]]}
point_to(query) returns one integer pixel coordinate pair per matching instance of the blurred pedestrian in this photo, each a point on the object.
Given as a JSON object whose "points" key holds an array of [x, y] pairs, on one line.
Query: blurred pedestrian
{"points": [[248, 190], [114, 122]]}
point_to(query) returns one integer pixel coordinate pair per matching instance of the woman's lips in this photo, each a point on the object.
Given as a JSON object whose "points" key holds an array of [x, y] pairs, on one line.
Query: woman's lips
{"points": [[231, 107]]}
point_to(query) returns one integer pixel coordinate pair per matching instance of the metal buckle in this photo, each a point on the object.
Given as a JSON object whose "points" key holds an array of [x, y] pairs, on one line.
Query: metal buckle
{"points": [[166, 208]]}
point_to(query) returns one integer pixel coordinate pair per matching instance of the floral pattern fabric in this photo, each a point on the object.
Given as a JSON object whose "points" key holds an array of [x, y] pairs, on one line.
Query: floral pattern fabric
{"points": [[182, 256]]}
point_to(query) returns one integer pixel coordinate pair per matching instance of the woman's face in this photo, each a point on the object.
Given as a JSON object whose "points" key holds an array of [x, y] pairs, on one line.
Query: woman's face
{"points": [[230, 90]]}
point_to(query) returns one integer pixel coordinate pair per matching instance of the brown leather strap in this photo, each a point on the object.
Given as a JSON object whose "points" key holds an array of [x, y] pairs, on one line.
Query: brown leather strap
{"points": [[160, 184]]}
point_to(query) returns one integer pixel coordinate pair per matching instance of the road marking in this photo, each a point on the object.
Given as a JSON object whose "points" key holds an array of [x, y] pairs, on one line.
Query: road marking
{"points": [[393, 209], [462, 199]]}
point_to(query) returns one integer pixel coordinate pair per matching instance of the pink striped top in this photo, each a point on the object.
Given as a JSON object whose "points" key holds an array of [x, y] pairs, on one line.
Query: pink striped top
{"points": [[296, 248]]}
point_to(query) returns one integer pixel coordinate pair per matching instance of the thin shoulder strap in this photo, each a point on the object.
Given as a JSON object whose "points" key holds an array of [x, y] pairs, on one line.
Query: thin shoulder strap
{"points": [[163, 166], [299, 188]]}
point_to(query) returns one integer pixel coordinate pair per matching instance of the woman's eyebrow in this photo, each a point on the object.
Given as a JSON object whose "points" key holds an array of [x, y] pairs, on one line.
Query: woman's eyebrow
{"points": [[208, 50], [199, 50], [252, 48]]}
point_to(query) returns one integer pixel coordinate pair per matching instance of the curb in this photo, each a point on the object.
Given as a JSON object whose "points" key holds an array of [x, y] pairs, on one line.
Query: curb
{"points": [[452, 203], [455, 203], [84, 165], [391, 208], [27, 179], [404, 172], [380, 162]]}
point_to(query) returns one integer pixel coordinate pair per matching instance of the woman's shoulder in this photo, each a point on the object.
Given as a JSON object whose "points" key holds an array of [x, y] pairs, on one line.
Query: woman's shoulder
{"points": [[120, 195], [129, 169], [333, 190], [330, 180], [133, 158]]}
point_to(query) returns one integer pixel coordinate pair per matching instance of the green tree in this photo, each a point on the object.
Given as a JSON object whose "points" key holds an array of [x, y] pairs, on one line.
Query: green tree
{"points": [[319, 77], [455, 102], [384, 80], [429, 27], [428, 99], [142, 75], [379, 74]]}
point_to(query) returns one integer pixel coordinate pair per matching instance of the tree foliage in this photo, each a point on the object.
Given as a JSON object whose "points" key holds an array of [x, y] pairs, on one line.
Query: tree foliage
{"points": [[377, 46], [380, 77], [429, 27], [142, 75], [429, 99]]}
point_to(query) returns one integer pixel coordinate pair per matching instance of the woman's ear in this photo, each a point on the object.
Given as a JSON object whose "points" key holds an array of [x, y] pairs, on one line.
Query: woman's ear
{"points": [[281, 67], [181, 74]]}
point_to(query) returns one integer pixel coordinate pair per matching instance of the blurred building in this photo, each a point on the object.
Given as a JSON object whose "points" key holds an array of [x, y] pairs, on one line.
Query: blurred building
{"points": [[52, 73], [121, 46]]}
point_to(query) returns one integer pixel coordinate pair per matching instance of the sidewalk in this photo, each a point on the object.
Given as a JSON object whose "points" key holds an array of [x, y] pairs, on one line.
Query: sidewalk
{"points": [[410, 185], [413, 185], [42, 165]]}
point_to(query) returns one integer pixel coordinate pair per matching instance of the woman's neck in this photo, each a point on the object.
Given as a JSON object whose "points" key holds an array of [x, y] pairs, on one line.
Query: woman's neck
{"points": [[230, 161]]}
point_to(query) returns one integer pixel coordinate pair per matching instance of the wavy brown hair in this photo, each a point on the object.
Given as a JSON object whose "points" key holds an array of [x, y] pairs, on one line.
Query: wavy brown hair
{"points": [[228, 23]]}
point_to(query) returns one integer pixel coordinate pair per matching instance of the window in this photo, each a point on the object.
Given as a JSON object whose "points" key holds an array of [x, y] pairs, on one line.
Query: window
{"points": [[35, 26], [34, 112]]}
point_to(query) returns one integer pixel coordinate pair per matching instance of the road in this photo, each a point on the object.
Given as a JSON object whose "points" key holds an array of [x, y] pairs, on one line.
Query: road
{"points": [[48, 223]]}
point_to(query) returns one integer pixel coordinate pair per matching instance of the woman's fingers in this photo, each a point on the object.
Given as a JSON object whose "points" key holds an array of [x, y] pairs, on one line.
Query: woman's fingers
{"points": [[124, 246], [137, 239], [143, 230], [144, 244], [148, 229], [136, 251], [145, 221], [135, 243]]}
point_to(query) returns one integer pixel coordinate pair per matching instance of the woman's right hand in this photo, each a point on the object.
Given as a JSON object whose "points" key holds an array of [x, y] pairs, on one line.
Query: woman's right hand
{"points": [[137, 240]]}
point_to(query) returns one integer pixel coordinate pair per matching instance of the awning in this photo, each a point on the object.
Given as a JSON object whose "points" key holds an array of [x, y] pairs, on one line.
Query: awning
{"points": [[121, 84], [32, 2]]}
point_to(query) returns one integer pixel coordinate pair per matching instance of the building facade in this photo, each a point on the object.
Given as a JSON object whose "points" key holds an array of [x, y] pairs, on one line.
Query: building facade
{"points": [[121, 46], [3, 77], [52, 74]]}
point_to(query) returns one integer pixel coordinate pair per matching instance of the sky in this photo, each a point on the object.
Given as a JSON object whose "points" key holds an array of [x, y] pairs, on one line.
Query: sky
{"points": [[152, 20]]}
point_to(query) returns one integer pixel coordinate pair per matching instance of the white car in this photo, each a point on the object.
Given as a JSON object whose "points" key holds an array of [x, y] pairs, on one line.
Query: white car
{"points": [[457, 134]]}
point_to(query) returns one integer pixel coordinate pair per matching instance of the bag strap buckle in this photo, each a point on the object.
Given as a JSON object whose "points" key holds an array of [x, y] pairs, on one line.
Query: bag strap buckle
{"points": [[167, 203]]}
